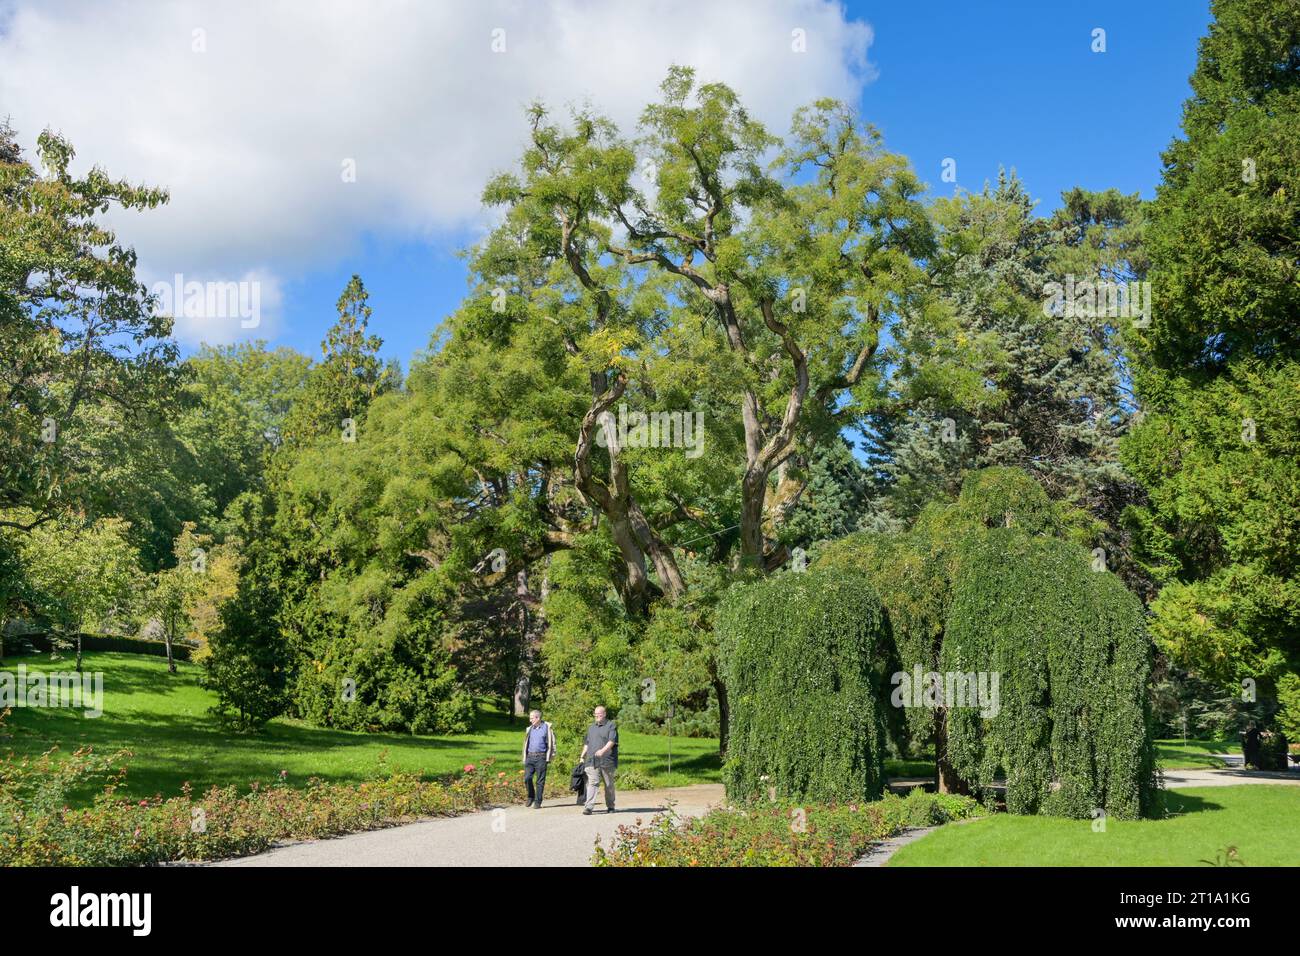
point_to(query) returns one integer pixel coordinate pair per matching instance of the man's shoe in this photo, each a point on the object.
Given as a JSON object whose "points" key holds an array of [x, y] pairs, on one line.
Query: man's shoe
{"points": [[586, 811], [609, 809], [537, 806]]}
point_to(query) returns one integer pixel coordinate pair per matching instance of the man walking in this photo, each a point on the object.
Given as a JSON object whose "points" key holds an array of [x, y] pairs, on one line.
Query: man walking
{"points": [[601, 743], [539, 749]]}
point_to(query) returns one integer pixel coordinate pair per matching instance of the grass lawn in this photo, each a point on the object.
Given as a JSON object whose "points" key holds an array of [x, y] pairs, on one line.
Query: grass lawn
{"points": [[163, 720], [1194, 754], [1261, 821]]}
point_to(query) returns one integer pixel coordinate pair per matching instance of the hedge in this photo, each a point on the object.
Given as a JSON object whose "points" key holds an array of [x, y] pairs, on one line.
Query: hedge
{"points": [[1072, 733], [803, 658]]}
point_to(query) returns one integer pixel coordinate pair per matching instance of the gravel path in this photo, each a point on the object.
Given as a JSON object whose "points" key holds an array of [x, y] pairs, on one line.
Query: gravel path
{"points": [[880, 853], [1181, 779], [556, 835]]}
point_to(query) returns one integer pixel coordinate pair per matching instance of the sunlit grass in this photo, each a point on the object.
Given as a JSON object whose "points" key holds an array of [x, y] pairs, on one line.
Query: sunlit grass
{"points": [[1261, 821]]}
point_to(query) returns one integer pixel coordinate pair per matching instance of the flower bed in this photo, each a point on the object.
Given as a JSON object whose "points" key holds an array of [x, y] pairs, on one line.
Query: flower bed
{"points": [[37, 828], [778, 834]]}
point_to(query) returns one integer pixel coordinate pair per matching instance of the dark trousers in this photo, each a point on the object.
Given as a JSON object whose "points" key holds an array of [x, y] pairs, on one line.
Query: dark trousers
{"points": [[535, 766]]}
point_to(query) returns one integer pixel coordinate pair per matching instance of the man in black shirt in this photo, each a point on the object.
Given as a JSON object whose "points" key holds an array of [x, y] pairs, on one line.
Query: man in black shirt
{"points": [[600, 753]]}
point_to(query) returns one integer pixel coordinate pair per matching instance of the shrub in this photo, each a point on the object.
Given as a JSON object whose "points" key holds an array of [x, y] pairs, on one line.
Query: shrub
{"points": [[1072, 729], [802, 659], [777, 834], [631, 779]]}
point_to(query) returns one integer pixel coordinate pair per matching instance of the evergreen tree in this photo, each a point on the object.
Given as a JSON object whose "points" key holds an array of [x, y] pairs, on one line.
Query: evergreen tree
{"points": [[350, 375], [1001, 365], [1218, 370]]}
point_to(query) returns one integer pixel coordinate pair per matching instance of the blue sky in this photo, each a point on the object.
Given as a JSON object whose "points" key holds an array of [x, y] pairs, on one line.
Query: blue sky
{"points": [[1019, 88], [244, 109]]}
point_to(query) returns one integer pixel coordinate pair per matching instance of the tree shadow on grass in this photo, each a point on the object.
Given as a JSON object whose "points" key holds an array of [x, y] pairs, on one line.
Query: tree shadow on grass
{"points": [[1181, 804], [657, 764]]}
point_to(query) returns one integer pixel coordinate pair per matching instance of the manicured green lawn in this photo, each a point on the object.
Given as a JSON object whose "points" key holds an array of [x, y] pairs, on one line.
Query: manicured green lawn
{"points": [[1261, 821], [163, 719], [1194, 754]]}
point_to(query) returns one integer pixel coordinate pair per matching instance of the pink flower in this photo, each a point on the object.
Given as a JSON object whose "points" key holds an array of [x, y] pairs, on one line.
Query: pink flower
{"points": [[469, 768]]}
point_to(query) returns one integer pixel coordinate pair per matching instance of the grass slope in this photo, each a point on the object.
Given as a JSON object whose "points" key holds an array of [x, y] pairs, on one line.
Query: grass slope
{"points": [[1261, 821]]}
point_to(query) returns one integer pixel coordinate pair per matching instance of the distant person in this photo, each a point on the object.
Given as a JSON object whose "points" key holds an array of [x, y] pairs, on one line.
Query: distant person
{"points": [[600, 751], [539, 750], [1250, 746]]}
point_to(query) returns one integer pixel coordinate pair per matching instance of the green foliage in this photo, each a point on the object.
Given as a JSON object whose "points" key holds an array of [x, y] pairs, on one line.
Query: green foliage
{"points": [[676, 661], [83, 576], [1288, 697], [984, 373], [382, 671], [802, 658], [910, 572], [1001, 498], [247, 662], [349, 376], [86, 366], [237, 399], [1218, 370], [1071, 730], [836, 497], [587, 653], [913, 571]]}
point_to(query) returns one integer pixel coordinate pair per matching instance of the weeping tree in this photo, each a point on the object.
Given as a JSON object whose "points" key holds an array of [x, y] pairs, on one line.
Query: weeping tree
{"points": [[914, 571], [804, 662], [1068, 724], [998, 582], [911, 573]]}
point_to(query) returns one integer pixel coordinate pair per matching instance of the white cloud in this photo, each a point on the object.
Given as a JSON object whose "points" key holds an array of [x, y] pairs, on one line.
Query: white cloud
{"points": [[251, 135]]}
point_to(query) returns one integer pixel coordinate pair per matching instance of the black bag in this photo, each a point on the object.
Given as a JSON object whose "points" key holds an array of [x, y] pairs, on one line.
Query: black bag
{"points": [[578, 781]]}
